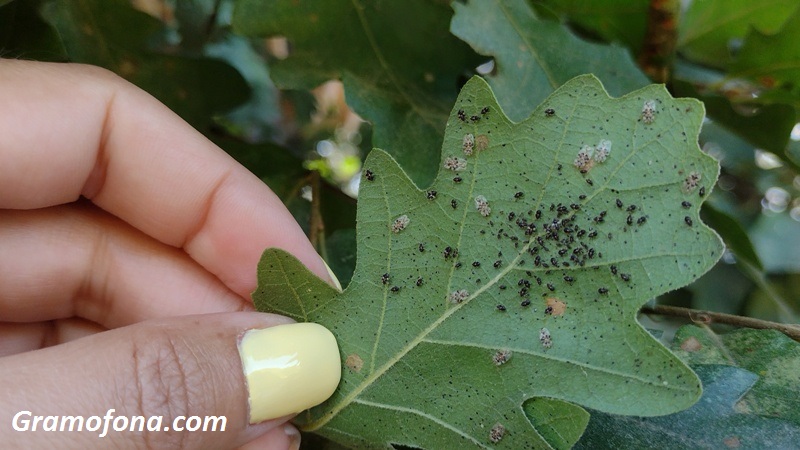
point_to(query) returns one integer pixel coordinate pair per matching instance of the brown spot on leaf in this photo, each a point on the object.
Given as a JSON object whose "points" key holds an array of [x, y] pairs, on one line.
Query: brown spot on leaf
{"points": [[558, 307], [691, 345], [732, 442], [481, 142], [354, 363]]}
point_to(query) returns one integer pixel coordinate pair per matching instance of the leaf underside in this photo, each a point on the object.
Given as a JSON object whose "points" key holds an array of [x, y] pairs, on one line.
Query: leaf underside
{"points": [[420, 369]]}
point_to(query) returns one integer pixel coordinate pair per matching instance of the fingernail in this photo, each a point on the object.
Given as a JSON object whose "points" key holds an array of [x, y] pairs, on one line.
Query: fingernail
{"points": [[333, 276], [293, 435], [289, 368]]}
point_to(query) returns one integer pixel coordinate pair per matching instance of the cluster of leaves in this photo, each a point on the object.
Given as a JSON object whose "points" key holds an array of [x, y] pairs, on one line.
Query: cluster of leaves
{"points": [[401, 67]]}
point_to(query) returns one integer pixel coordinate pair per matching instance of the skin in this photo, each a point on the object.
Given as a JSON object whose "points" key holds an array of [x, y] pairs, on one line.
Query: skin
{"points": [[129, 246]]}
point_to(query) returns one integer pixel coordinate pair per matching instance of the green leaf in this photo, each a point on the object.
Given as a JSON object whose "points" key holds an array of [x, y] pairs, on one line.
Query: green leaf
{"points": [[771, 58], [710, 28], [23, 33], [623, 21], [533, 57], [397, 60], [111, 34], [713, 423], [419, 367], [769, 353], [767, 127], [732, 233]]}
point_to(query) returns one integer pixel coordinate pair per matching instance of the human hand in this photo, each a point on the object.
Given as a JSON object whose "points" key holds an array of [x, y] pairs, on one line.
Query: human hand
{"points": [[116, 215]]}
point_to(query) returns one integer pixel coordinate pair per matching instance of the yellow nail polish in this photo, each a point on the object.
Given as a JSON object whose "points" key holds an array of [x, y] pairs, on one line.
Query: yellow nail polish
{"points": [[289, 368]]}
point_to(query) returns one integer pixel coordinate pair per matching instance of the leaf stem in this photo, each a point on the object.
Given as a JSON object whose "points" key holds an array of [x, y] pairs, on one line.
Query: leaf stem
{"points": [[316, 232], [708, 317], [658, 49]]}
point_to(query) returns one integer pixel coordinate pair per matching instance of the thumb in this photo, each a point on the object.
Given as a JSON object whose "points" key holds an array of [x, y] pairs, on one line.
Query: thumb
{"points": [[246, 367]]}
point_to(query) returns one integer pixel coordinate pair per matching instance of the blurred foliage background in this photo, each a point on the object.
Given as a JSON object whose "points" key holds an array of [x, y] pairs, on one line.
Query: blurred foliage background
{"points": [[300, 91]]}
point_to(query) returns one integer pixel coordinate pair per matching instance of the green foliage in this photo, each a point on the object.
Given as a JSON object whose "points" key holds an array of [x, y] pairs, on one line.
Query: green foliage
{"points": [[533, 57], [714, 422], [429, 276], [384, 53], [401, 66]]}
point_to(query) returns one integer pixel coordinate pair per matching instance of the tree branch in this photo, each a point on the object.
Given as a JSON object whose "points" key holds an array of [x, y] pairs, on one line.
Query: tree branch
{"points": [[658, 48], [709, 317]]}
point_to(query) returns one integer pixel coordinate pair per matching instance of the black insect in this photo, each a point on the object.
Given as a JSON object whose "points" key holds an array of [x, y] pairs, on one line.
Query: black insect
{"points": [[562, 252], [686, 204], [511, 215], [590, 253], [369, 175], [523, 292], [474, 118], [614, 269], [593, 234], [457, 180], [476, 263], [458, 265], [548, 310], [581, 233], [448, 251], [502, 287], [625, 277], [519, 194], [538, 214], [568, 279], [641, 220], [537, 261], [385, 278], [582, 197], [395, 289], [462, 115], [551, 287], [589, 182], [619, 203], [575, 206], [538, 281], [602, 290], [501, 307], [702, 191], [688, 220], [525, 303], [485, 110], [554, 262], [549, 112], [454, 203], [497, 263], [421, 247], [629, 220], [419, 281], [431, 195], [631, 208]]}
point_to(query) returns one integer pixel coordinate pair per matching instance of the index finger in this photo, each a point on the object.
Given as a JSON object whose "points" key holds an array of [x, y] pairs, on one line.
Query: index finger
{"points": [[71, 130]]}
